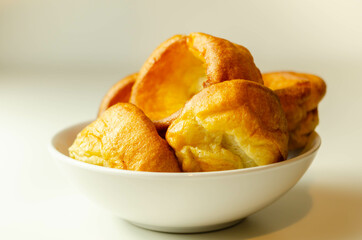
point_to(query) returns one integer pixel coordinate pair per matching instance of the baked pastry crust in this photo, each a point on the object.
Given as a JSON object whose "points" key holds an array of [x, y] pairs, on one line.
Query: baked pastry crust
{"points": [[181, 66], [299, 94], [119, 92], [163, 124], [230, 125], [123, 137]]}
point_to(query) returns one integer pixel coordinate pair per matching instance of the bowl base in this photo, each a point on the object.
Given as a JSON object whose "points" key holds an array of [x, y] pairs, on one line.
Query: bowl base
{"points": [[199, 229]]}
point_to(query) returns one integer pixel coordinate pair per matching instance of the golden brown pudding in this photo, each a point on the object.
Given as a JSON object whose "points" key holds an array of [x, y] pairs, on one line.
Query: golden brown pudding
{"points": [[299, 94], [124, 137], [230, 125], [181, 66]]}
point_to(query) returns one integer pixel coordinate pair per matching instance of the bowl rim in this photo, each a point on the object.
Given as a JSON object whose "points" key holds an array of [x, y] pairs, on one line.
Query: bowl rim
{"points": [[113, 171]]}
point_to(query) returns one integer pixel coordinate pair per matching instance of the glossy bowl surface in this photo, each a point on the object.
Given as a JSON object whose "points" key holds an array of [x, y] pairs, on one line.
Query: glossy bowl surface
{"points": [[182, 202]]}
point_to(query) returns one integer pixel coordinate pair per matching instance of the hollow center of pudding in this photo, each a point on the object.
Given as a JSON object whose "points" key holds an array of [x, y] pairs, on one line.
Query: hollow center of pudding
{"points": [[179, 75]]}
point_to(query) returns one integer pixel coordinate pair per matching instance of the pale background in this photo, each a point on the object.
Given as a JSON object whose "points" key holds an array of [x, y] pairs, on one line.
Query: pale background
{"points": [[58, 58]]}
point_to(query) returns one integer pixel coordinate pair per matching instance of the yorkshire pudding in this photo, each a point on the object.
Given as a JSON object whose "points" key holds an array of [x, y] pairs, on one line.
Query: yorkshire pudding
{"points": [[181, 66], [119, 92], [299, 94], [230, 125], [124, 138]]}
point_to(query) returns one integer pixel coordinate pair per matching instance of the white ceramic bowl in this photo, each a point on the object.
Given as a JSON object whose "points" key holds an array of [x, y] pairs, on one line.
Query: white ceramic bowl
{"points": [[182, 202]]}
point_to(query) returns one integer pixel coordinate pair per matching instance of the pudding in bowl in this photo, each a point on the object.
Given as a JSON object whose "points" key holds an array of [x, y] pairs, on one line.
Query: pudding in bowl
{"points": [[183, 202]]}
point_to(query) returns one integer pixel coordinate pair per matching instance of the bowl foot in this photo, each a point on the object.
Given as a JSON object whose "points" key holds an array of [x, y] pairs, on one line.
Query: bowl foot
{"points": [[199, 229]]}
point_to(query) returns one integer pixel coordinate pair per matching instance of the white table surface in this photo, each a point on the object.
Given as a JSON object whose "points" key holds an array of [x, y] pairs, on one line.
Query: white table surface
{"points": [[37, 202]]}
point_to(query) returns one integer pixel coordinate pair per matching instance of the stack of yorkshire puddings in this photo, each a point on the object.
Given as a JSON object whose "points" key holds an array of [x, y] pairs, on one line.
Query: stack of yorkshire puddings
{"points": [[199, 103]]}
